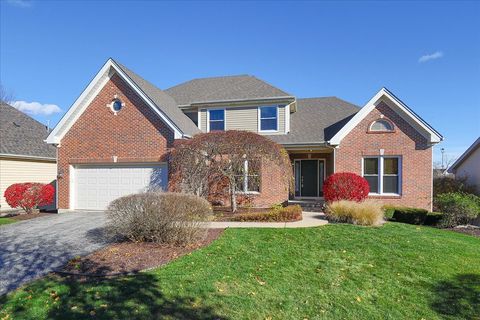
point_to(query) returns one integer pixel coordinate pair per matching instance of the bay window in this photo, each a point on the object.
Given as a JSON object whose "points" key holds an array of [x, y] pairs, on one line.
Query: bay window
{"points": [[382, 174]]}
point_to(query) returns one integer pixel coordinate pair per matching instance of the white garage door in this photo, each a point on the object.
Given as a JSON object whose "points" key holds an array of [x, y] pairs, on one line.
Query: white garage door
{"points": [[95, 187]]}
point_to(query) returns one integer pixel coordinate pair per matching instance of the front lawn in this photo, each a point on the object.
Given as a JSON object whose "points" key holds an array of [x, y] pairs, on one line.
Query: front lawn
{"points": [[397, 271], [7, 221]]}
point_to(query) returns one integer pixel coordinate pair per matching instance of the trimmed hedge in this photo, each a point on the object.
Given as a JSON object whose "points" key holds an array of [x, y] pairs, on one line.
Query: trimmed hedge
{"points": [[276, 214], [406, 214], [433, 218]]}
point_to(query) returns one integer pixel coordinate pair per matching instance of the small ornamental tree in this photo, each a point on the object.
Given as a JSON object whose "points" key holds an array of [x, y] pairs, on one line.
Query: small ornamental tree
{"points": [[29, 195], [221, 156], [345, 186]]}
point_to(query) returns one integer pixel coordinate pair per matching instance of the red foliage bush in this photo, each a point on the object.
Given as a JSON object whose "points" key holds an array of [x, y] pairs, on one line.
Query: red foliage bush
{"points": [[345, 186], [29, 195]]}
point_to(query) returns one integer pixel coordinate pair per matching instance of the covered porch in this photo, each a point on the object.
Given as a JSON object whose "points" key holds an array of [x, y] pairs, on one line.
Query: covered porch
{"points": [[311, 166]]}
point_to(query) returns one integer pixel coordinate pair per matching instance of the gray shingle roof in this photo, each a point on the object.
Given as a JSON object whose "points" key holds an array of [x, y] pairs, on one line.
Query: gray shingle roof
{"points": [[475, 145], [22, 135], [317, 120], [241, 87], [163, 101]]}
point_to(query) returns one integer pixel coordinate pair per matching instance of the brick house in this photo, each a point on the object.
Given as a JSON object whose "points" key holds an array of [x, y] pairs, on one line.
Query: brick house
{"points": [[114, 139]]}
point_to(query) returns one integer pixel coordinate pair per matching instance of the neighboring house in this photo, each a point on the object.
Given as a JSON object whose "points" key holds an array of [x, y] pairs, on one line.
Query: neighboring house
{"points": [[468, 165], [115, 138], [24, 155]]}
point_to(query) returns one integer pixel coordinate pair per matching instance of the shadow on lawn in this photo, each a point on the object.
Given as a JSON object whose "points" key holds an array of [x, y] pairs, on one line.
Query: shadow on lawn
{"points": [[459, 297], [133, 297]]}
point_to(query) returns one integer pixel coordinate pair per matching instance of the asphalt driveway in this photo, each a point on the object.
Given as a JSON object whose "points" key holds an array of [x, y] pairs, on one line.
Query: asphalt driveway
{"points": [[32, 248]]}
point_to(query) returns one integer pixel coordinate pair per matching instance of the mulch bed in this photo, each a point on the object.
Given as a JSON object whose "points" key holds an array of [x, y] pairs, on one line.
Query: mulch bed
{"points": [[130, 257], [473, 231], [224, 214], [21, 217]]}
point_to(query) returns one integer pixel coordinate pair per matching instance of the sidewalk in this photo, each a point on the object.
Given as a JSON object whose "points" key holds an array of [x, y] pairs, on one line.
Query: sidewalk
{"points": [[310, 219]]}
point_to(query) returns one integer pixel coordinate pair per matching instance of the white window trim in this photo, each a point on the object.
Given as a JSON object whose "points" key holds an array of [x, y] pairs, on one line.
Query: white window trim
{"points": [[224, 118], [390, 123], [245, 181], [260, 119], [380, 176]]}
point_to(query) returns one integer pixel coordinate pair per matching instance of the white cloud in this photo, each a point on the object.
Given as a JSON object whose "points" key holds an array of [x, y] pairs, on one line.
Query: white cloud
{"points": [[20, 3], [36, 108], [433, 56]]}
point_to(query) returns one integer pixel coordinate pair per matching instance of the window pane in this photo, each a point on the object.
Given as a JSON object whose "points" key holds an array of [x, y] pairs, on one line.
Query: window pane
{"points": [[390, 166], [217, 114], [217, 125], [253, 183], [381, 125], [268, 112], [370, 166], [373, 182], [268, 124], [390, 184]]}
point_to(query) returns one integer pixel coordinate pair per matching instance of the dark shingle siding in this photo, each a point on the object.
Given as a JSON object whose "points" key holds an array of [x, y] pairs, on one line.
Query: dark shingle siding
{"points": [[22, 135], [227, 88], [317, 120]]}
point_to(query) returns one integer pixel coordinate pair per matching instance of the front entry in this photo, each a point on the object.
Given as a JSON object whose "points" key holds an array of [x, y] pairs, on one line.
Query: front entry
{"points": [[309, 176]]}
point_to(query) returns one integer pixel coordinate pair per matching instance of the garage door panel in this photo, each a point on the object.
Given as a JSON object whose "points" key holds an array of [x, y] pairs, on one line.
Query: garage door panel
{"points": [[96, 187]]}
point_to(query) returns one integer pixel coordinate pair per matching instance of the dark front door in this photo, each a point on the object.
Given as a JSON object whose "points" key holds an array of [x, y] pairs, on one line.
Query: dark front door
{"points": [[309, 178]]}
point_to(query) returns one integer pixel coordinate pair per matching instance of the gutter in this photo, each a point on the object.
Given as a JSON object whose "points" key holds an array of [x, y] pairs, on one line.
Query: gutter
{"points": [[23, 156], [184, 106]]}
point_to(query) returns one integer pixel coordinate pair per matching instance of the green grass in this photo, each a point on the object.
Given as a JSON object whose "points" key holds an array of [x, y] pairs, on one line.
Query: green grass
{"points": [[7, 221], [397, 271]]}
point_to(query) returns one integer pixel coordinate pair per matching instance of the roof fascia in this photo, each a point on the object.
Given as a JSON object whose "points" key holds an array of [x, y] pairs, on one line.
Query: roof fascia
{"points": [[435, 137], [93, 88]]}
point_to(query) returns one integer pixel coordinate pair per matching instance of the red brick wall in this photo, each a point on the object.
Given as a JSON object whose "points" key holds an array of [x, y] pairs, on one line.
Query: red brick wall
{"points": [[405, 141], [273, 187], [135, 134]]}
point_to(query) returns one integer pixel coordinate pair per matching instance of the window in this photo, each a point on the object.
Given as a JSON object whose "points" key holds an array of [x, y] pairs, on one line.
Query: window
{"points": [[382, 174], [116, 105], [249, 179], [216, 120], [268, 118], [381, 125]]}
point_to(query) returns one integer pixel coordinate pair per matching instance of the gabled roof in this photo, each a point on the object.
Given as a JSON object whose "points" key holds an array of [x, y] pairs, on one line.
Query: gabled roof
{"points": [[22, 136], [402, 109], [316, 120], [163, 105], [465, 156], [163, 101], [227, 88]]}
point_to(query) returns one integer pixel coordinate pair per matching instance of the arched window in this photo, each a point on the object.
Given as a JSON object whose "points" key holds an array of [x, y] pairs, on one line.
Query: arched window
{"points": [[381, 125]]}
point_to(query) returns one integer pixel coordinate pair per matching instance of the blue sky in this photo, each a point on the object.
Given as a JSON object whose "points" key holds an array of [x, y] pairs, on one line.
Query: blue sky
{"points": [[427, 53]]}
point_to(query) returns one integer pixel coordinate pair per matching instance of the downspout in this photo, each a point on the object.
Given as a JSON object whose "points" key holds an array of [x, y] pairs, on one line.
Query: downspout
{"points": [[334, 155]]}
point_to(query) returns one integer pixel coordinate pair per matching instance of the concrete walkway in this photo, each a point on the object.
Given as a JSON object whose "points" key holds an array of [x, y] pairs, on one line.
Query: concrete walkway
{"points": [[310, 219]]}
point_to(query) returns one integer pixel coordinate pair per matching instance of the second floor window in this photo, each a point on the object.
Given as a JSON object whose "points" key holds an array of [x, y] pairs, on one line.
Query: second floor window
{"points": [[216, 120], [268, 118]]}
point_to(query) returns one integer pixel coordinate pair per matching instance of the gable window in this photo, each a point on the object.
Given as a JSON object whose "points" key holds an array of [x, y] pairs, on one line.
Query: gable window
{"points": [[216, 120], [248, 180], [381, 125], [382, 174], [268, 118]]}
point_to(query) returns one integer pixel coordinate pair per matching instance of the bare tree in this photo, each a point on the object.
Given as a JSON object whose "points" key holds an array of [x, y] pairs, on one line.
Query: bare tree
{"points": [[225, 155], [5, 96]]}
